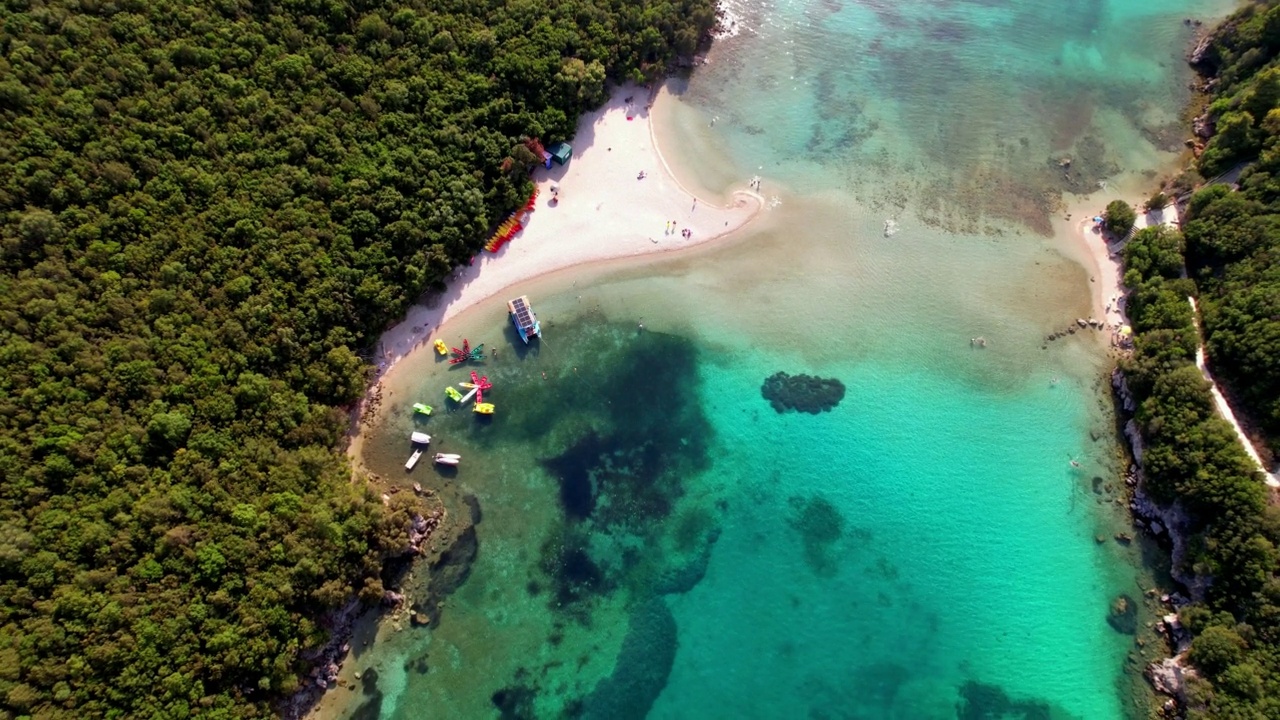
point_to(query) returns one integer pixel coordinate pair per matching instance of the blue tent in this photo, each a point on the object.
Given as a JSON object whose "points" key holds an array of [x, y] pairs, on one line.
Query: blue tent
{"points": [[560, 152]]}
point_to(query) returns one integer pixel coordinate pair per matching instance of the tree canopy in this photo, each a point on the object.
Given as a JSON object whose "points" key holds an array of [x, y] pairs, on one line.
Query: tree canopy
{"points": [[1119, 217], [1229, 248], [207, 212]]}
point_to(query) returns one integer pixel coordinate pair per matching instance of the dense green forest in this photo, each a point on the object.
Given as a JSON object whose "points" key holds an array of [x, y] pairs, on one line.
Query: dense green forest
{"points": [[1233, 246], [207, 211], [1228, 256]]}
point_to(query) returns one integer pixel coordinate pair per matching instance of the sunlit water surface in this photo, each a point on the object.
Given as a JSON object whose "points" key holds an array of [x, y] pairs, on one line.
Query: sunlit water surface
{"points": [[658, 541]]}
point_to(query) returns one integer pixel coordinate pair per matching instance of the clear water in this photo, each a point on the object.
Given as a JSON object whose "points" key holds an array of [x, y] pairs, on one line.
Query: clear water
{"points": [[658, 541]]}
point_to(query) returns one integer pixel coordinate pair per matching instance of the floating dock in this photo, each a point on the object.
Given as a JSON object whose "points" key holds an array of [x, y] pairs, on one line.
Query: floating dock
{"points": [[522, 317]]}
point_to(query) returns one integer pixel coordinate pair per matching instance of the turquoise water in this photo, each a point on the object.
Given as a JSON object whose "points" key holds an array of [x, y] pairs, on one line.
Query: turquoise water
{"points": [[657, 541], [959, 556]]}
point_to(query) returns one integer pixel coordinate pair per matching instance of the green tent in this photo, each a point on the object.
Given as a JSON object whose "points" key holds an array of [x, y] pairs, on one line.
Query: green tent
{"points": [[560, 152]]}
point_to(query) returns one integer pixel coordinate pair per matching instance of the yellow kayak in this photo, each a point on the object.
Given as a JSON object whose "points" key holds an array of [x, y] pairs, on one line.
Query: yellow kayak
{"points": [[483, 408], [441, 347]]}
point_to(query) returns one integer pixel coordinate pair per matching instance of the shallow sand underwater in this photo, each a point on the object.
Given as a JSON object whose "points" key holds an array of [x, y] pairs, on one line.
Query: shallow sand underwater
{"points": [[656, 540]]}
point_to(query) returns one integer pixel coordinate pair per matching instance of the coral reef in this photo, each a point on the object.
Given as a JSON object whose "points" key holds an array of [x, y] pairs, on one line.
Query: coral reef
{"points": [[820, 526], [643, 665], [805, 393]]}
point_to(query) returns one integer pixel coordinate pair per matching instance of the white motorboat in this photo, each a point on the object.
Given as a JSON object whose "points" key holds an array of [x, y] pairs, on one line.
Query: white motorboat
{"points": [[420, 437], [448, 458], [413, 460]]}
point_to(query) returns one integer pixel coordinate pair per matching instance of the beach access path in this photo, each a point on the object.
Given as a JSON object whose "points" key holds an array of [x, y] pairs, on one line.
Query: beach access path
{"points": [[603, 209], [1109, 297]]}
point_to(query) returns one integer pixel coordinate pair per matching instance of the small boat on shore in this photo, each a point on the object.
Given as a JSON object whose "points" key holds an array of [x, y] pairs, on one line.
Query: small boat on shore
{"points": [[441, 347], [522, 317], [420, 438], [422, 408], [413, 459], [483, 408], [453, 394], [448, 458]]}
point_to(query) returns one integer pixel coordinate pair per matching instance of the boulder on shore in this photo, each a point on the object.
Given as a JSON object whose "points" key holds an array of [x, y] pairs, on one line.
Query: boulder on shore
{"points": [[1169, 677]]}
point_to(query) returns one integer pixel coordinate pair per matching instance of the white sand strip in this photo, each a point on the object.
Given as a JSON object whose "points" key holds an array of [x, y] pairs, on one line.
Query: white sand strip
{"points": [[1109, 293], [604, 211]]}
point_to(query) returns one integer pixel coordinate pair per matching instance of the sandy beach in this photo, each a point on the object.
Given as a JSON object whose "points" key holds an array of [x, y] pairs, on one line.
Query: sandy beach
{"points": [[603, 209], [1102, 258], [617, 197], [1107, 270]]}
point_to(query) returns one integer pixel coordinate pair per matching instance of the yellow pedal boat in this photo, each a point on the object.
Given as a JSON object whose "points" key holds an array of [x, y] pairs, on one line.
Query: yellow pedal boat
{"points": [[483, 408], [441, 347], [453, 394]]}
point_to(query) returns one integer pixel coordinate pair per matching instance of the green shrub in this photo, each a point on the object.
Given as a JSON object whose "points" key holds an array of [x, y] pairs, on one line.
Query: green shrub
{"points": [[1119, 218]]}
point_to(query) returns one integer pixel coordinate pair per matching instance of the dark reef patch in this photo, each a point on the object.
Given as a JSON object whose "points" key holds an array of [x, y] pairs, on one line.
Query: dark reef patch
{"points": [[820, 525], [419, 664], [515, 703], [473, 506], [683, 577], [979, 701], [692, 527], [1123, 615], [803, 393], [573, 469], [451, 570], [576, 578], [642, 668], [371, 707], [638, 431], [878, 687], [627, 470]]}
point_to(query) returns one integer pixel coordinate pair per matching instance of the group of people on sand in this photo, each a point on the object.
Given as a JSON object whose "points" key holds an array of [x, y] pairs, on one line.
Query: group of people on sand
{"points": [[671, 227]]}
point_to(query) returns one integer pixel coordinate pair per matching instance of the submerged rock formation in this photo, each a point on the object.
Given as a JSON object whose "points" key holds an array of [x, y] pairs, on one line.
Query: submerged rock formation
{"points": [[805, 393], [1166, 524], [644, 662], [1149, 515], [1123, 617]]}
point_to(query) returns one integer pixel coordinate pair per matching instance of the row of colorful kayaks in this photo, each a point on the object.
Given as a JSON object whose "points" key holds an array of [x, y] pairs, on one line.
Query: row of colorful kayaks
{"points": [[482, 408]]}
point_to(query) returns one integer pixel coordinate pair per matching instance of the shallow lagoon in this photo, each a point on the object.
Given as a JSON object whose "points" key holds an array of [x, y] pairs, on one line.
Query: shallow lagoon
{"points": [[657, 540]]}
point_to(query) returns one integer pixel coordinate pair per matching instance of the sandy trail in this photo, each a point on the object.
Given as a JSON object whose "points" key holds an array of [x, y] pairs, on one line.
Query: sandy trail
{"points": [[1109, 295]]}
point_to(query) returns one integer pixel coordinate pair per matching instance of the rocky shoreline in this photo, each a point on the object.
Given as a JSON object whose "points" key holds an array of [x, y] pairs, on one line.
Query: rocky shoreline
{"points": [[1168, 527], [326, 661]]}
